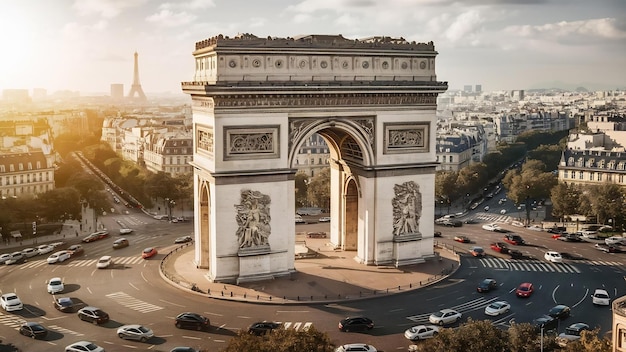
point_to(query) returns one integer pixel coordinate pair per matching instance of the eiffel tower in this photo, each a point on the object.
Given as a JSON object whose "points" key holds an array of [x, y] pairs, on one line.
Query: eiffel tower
{"points": [[135, 89]]}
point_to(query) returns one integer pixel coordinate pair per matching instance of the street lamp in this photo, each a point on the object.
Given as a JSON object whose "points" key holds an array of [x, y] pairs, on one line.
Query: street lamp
{"points": [[169, 203]]}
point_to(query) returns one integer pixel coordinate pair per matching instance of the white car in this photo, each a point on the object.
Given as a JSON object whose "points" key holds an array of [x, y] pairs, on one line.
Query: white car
{"points": [[324, 219], [503, 211], [55, 285], [45, 249], [353, 347], [125, 231], [10, 302], [83, 346], [497, 308], [535, 228], [30, 252], [600, 297], [614, 240], [491, 227], [104, 262], [589, 235], [58, 257], [16, 257], [444, 316], [134, 332], [554, 257], [421, 332], [571, 333], [4, 257]]}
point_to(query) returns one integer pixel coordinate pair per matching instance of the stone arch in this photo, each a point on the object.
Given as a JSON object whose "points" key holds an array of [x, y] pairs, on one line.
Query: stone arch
{"points": [[203, 231]]}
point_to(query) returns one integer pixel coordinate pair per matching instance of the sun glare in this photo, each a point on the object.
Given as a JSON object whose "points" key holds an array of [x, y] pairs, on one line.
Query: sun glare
{"points": [[16, 44]]}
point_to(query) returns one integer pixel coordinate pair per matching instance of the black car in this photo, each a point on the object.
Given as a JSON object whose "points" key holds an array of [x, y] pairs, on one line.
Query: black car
{"points": [[263, 327], [356, 324], [515, 254], [514, 239], [557, 230], [93, 315], [33, 330], [452, 223], [437, 234], [183, 349], [64, 304], [487, 285], [559, 311], [546, 323], [183, 239], [189, 320]]}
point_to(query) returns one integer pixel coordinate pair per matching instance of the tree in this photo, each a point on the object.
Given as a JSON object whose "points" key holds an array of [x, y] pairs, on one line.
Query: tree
{"points": [[529, 183], [565, 199], [318, 192], [603, 201], [287, 340], [300, 180], [473, 336], [590, 341], [59, 202], [446, 186], [550, 155], [472, 178]]}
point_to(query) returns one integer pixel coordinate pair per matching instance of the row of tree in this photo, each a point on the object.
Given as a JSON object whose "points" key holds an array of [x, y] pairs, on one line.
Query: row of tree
{"points": [[313, 191], [473, 336]]}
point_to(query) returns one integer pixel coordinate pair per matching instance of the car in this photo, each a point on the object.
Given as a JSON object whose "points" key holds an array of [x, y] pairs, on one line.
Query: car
{"points": [[33, 330], [444, 316], [491, 227], [30, 252], [486, 285], [183, 349], [134, 332], [64, 304], [354, 347], [10, 302], [120, 243], [161, 217], [324, 219], [55, 285], [437, 234], [608, 249], [125, 231], [487, 207], [316, 234], [263, 327], [58, 257], [503, 211], [557, 229], [497, 308], [524, 290], [104, 262], [75, 250], [102, 234], [299, 220], [572, 333], [568, 237], [90, 238], [462, 239], [588, 235], [515, 254], [560, 311], [470, 221], [149, 252], [421, 332], [45, 249], [535, 228], [554, 257], [600, 297], [93, 315], [83, 346], [451, 223], [189, 320], [16, 258], [545, 322], [4, 257], [609, 240], [514, 239], [356, 324], [500, 247], [57, 244], [477, 251], [183, 239]]}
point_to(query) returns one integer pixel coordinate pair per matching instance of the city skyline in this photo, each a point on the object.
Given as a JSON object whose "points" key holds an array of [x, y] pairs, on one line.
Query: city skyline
{"points": [[87, 45]]}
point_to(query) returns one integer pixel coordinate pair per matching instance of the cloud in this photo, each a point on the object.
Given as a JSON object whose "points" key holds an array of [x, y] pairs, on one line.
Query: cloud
{"points": [[104, 8], [464, 26], [188, 5], [564, 31], [168, 18]]}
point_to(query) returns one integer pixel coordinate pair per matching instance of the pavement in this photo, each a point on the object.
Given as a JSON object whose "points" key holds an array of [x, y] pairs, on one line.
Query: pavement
{"points": [[325, 275]]}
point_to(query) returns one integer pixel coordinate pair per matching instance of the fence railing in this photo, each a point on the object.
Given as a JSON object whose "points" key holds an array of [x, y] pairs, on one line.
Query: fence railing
{"points": [[233, 292]]}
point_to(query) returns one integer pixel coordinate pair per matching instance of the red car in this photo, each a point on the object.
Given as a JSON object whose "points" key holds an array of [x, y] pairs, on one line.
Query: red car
{"points": [[514, 239], [524, 290], [149, 252], [462, 239], [500, 247]]}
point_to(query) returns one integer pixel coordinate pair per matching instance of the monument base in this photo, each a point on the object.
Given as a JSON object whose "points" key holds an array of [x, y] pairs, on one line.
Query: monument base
{"points": [[402, 250]]}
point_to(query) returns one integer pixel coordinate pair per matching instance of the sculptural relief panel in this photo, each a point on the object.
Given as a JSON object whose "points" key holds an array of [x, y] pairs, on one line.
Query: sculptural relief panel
{"points": [[253, 219], [406, 138], [251, 143], [407, 208], [205, 141]]}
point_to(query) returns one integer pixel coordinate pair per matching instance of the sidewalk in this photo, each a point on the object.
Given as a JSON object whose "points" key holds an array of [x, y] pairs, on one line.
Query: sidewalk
{"points": [[330, 276]]}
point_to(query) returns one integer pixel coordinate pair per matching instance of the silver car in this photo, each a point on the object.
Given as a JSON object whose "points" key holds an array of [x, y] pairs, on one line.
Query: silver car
{"points": [[135, 332]]}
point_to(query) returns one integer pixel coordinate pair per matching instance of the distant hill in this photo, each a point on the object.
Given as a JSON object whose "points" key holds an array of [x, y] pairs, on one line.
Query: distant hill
{"points": [[578, 87]]}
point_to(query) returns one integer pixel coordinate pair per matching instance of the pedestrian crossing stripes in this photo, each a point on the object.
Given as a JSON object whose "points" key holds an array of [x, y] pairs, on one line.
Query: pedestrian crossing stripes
{"points": [[133, 303], [298, 326], [528, 265], [64, 330], [83, 262], [11, 321], [475, 304]]}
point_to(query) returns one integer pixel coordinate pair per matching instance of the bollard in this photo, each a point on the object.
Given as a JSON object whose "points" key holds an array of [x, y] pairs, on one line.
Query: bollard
{"points": [[410, 285], [326, 296], [298, 298], [244, 295], [222, 293], [270, 298], [231, 293], [311, 298], [208, 291], [257, 297], [398, 288], [387, 290], [360, 294]]}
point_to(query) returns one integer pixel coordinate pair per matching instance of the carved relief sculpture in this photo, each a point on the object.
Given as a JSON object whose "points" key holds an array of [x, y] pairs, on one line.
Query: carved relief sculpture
{"points": [[253, 218], [407, 208]]}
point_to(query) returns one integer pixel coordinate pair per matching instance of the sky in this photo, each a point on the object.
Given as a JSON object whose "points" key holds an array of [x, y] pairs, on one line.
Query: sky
{"points": [[86, 45]]}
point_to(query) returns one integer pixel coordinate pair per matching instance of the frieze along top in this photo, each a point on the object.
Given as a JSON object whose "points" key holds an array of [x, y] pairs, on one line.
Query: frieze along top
{"points": [[315, 41]]}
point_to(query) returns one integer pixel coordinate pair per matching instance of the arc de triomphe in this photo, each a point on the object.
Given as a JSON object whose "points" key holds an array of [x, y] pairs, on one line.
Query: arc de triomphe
{"points": [[256, 100]]}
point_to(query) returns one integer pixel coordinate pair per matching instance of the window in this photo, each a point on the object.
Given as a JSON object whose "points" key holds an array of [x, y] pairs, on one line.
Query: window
{"points": [[565, 174], [580, 175], [591, 175], [573, 174], [2, 169], [30, 165], [21, 166], [11, 168], [621, 179], [599, 176], [451, 158], [609, 177], [570, 161]]}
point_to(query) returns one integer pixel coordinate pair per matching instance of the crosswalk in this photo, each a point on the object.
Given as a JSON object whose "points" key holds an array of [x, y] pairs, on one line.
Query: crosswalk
{"points": [[84, 262], [528, 265], [298, 325], [473, 305], [490, 218], [14, 322], [133, 303]]}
